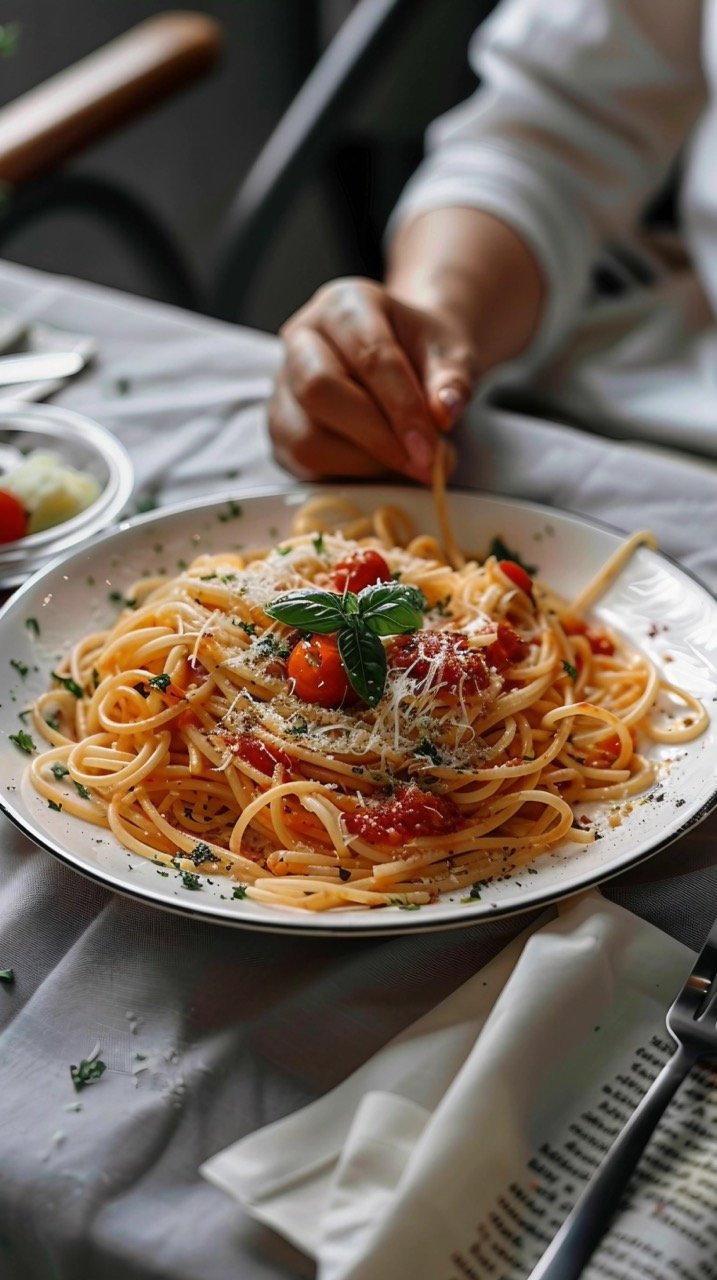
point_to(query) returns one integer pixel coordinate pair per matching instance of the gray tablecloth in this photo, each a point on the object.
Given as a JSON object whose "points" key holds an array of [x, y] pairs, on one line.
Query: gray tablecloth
{"points": [[238, 1029]]}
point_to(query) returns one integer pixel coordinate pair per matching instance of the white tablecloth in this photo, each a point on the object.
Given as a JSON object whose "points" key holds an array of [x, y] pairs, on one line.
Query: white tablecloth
{"points": [[238, 1029]]}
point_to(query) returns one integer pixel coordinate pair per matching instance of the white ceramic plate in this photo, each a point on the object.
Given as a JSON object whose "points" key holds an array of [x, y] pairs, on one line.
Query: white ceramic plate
{"points": [[654, 603]]}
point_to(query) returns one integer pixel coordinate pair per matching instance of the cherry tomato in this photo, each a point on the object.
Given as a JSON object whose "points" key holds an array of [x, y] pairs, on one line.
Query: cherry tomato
{"points": [[517, 575], [13, 517], [598, 641], [317, 673], [600, 644], [445, 656], [506, 649], [260, 755], [407, 814], [363, 569], [606, 750]]}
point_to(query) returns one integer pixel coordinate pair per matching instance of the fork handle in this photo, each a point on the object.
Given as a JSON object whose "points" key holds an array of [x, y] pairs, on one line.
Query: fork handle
{"points": [[587, 1222]]}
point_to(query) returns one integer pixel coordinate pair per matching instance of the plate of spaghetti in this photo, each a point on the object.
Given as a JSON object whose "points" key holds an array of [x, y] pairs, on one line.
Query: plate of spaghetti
{"points": [[320, 711]]}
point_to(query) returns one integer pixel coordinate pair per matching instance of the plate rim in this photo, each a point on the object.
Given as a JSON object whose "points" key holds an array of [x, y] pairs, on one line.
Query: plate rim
{"points": [[217, 915]]}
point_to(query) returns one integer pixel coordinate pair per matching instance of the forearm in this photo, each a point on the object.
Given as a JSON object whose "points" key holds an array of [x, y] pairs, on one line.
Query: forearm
{"points": [[474, 271]]}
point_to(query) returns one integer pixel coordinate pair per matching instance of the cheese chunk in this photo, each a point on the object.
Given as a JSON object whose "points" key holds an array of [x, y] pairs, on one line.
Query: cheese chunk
{"points": [[50, 491]]}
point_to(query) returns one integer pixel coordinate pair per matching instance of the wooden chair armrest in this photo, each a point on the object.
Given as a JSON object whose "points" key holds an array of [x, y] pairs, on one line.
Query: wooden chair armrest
{"points": [[62, 116]]}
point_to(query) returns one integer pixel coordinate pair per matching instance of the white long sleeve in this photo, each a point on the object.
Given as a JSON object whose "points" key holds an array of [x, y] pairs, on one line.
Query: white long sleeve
{"points": [[582, 108]]}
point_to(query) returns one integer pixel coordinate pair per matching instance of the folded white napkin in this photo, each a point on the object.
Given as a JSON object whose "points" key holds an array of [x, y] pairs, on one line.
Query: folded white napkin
{"points": [[459, 1148]]}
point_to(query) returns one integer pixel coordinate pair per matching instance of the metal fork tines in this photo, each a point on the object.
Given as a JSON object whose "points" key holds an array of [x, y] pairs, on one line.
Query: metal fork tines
{"points": [[692, 1023]]}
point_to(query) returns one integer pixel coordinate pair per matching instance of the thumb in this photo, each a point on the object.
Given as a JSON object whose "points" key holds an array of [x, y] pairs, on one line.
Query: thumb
{"points": [[443, 357], [449, 378]]}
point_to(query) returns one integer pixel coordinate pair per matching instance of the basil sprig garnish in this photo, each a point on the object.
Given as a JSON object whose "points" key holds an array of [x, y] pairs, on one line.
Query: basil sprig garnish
{"points": [[385, 609]]}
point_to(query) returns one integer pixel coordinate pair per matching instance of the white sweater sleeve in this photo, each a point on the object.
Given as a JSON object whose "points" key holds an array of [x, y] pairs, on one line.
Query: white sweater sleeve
{"points": [[582, 108]]}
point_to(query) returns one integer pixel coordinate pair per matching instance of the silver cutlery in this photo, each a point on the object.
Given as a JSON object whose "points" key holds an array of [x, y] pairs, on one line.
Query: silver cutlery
{"points": [[34, 366], [692, 1024]]}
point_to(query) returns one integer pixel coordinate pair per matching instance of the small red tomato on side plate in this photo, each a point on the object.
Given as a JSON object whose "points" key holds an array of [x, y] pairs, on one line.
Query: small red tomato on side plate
{"points": [[13, 517], [363, 569]]}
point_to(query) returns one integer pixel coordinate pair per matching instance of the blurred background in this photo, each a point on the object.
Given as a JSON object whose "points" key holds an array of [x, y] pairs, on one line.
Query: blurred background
{"points": [[187, 158]]}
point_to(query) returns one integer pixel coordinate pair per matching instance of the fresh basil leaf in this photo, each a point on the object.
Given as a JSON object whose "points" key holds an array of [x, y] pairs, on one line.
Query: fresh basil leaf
{"points": [[364, 659], [318, 611], [391, 608]]}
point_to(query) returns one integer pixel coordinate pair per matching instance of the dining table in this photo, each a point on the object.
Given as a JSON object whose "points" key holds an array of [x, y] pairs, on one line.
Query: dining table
{"points": [[243, 1028]]}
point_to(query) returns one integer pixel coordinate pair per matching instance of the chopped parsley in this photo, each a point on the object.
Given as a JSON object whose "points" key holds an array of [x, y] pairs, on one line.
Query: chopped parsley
{"points": [[405, 906], [161, 682], [201, 853], [318, 543], [33, 625], [269, 646], [7, 976], [23, 741], [298, 726], [21, 667], [428, 748], [53, 722], [82, 791], [570, 670], [89, 1069], [248, 627], [190, 880], [117, 598], [122, 386], [283, 551], [68, 683], [234, 510], [239, 891], [59, 770], [57, 807]]}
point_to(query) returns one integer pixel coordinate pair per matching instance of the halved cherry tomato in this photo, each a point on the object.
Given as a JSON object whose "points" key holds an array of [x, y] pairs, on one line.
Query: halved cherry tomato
{"points": [[317, 673], [363, 569], [260, 755], [598, 641], [506, 649], [13, 518], [517, 575]]}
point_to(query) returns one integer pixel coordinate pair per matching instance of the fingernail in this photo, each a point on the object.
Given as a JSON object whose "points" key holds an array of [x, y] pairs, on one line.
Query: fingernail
{"points": [[419, 450], [453, 400]]}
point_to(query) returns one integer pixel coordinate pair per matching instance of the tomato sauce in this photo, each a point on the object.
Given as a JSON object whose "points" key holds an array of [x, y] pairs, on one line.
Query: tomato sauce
{"points": [[455, 665], [258, 754], [406, 815]]}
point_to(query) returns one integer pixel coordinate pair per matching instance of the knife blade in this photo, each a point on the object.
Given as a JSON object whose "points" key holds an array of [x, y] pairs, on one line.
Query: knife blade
{"points": [[34, 366]]}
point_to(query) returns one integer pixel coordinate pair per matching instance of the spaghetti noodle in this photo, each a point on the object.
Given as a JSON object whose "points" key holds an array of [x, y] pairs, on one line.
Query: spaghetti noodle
{"points": [[183, 727]]}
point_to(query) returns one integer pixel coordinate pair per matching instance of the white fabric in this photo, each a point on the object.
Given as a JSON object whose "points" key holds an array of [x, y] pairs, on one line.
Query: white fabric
{"points": [[388, 1174], [582, 109]]}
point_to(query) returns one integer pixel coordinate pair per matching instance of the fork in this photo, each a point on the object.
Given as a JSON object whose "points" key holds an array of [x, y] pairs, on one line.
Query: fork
{"points": [[692, 1024]]}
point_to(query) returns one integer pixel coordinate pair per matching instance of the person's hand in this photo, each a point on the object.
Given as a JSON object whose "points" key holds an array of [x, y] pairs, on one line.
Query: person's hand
{"points": [[366, 384]]}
